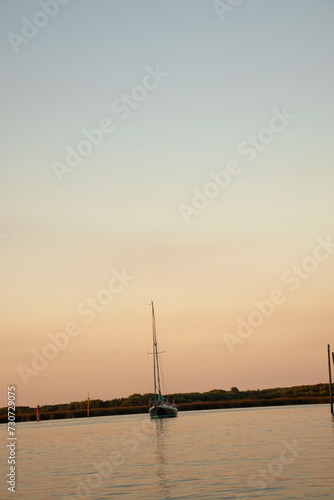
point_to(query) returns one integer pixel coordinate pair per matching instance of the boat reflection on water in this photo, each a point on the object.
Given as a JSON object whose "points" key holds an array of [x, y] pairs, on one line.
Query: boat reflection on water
{"points": [[162, 463]]}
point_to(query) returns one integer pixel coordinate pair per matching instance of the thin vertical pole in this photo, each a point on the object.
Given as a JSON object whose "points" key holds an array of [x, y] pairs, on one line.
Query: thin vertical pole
{"points": [[154, 342], [330, 380], [87, 404], [37, 413]]}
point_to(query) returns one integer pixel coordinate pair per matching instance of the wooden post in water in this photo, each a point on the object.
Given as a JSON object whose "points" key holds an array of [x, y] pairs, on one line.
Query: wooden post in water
{"points": [[87, 404], [37, 414], [330, 379]]}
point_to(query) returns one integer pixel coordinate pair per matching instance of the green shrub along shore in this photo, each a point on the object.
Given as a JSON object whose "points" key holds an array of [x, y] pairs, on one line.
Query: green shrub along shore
{"points": [[217, 398]]}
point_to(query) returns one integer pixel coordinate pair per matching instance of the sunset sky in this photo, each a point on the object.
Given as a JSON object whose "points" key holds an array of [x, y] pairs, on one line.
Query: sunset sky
{"points": [[184, 92]]}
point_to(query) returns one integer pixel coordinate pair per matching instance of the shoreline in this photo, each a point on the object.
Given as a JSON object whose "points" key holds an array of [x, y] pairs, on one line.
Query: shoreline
{"points": [[200, 405]]}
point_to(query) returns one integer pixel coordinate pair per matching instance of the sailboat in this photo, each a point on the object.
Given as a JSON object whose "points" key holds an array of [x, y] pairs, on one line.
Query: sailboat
{"points": [[160, 406]]}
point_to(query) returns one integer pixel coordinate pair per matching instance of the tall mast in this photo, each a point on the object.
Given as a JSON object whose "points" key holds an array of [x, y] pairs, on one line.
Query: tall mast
{"points": [[155, 358], [154, 371]]}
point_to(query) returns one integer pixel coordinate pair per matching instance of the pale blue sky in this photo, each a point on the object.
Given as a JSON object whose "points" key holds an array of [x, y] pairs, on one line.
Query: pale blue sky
{"points": [[120, 206]]}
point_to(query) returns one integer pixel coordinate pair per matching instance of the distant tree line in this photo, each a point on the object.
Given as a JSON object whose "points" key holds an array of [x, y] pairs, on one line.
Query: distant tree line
{"points": [[305, 391]]}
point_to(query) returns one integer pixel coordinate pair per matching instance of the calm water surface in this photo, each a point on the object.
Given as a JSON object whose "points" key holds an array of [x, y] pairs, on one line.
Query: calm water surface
{"points": [[268, 453]]}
